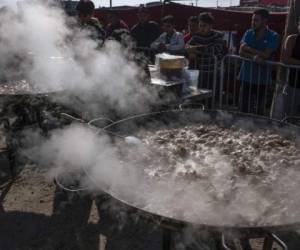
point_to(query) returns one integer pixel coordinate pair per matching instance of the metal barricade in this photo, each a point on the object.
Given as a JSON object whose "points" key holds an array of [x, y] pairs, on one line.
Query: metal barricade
{"points": [[247, 86], [209, 68], [287, 96], [270, 88]]}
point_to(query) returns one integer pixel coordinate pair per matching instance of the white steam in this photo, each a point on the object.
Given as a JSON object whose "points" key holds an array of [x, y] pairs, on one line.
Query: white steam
{"points": [[212, 200], [54, 54]]}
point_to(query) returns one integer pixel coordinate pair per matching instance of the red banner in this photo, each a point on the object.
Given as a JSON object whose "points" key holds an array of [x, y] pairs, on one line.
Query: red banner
{"points": [[224, 19], [274, 2]]}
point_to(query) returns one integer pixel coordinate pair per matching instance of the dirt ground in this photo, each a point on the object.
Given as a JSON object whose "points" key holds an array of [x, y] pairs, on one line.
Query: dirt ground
{"points": [[36, 215]]}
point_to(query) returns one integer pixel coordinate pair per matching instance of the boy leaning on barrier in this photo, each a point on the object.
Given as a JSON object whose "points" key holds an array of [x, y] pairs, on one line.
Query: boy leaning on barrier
{"points": [[207, 40], [204, 48], [258, 44]]}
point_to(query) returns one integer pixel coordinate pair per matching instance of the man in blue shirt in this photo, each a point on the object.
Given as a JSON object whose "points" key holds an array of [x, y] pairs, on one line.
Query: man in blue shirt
{"points": [[258, 44]]}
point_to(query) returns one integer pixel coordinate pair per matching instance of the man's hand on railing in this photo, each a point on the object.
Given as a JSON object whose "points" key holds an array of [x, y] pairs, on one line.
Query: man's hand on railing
{"points": [[258, 59], [194, 49]]}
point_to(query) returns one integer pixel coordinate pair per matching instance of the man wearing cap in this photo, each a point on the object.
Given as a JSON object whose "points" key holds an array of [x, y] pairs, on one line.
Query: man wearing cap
{"points": [[85, 10], [145, 31]]}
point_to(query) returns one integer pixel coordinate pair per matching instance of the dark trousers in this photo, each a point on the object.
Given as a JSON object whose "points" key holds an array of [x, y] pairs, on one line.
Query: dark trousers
{"points": [[255, 98]]}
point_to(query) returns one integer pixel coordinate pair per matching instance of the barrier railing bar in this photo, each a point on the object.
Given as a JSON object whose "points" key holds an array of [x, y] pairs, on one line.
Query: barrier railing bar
{"points": [[234, 83], [273, 63], [250, 86], [259, 87], [221, 83], [228, 81], [215, 76]]}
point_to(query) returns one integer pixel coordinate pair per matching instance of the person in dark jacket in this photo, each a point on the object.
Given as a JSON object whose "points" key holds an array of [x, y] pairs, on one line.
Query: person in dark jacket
{"points": [[85, 10], [123, 37], [145, 31], [114, 22]]}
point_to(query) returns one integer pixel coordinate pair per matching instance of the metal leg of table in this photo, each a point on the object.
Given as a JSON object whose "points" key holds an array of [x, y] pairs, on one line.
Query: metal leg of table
{"points": [[268, 243], [270, 239], [167, 239], [245, 244], [11, 159], [228, 243], [223, 245]]}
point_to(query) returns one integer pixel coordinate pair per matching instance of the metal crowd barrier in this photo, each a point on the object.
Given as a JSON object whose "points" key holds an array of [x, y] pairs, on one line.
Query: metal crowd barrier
{"points": [[269, 88], [208, 67], [286, 101], [247, 86]]}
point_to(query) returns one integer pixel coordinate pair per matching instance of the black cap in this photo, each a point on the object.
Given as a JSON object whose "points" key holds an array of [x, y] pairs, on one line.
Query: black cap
{"points": [[143, 9], [85, 7]]}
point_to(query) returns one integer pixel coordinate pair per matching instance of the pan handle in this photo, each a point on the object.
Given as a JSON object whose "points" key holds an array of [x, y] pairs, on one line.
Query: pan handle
{"points": [[68, 189], [224, 245], [5, 122], [72, 118], [91, 123], [285, 119], [276, 239]]}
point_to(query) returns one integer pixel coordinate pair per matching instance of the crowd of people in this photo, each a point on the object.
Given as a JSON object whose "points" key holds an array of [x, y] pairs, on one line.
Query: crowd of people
{"points": [[202, 42], [258, 43], [147, 34]]}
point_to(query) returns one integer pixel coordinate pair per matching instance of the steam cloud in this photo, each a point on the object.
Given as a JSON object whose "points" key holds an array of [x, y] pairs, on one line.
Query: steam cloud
{"points": [[54, 54], [97, 163]]}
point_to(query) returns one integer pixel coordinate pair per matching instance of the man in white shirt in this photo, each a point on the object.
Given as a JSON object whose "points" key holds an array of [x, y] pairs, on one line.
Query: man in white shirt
{"points": [[170, 40]]}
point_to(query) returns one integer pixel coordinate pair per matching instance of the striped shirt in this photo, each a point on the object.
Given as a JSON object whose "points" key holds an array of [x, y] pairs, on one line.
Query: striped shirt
{"points": [[213, 45]]}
